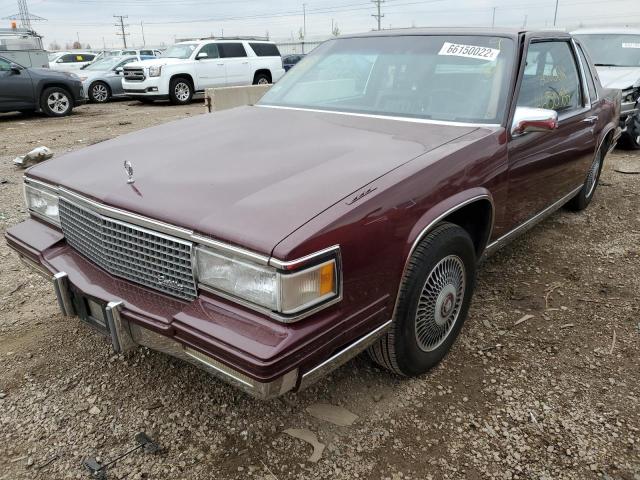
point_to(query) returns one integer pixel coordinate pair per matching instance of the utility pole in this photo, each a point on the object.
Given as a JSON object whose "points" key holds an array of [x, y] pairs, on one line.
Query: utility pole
{"points": [[144, 41], [122, 26], [524, 23], [304, 22], [555, 15], [78, 37], [379, 16], [493, 20]]}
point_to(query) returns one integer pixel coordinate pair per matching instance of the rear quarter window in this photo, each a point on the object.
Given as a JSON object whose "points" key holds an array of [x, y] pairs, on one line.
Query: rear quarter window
{"points": [[265, 49]]}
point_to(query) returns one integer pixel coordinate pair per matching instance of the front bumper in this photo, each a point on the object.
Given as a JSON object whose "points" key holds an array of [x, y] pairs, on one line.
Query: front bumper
{"points": [[258, 355], [152, 87]]}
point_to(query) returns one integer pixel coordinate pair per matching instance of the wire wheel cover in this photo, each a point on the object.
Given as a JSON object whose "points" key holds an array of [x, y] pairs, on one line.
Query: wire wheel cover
{"points": [[440, 303], [592, 177]]}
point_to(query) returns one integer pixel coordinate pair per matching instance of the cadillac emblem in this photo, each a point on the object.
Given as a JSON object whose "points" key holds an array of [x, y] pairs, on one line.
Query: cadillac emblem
{"points": [[129, 169]]}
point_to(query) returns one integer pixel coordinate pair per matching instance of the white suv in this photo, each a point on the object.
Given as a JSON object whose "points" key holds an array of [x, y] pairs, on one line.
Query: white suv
{"points": [[192, 66]]}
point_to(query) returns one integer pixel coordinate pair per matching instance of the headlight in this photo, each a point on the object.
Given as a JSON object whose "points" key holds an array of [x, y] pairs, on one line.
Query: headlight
{"points": [[265, 286], [155, 70], [42, 201], [629, 96], [82, 79]]}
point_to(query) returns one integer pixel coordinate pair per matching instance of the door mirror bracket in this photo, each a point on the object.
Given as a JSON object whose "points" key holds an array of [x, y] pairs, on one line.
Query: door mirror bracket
{"points": [[15, 68], [527, 120]]}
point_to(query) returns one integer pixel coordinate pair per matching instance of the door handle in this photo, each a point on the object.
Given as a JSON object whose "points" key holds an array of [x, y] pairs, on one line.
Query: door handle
{"points": [[591, 119], [245, 63], [221, 64]]}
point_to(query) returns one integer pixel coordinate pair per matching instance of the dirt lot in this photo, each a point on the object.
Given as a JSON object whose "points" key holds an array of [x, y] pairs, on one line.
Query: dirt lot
{"points": [[556, 396]]}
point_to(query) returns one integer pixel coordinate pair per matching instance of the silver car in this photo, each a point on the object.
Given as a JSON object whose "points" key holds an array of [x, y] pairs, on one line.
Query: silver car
{"points": [[616, 54], [102, 79]]}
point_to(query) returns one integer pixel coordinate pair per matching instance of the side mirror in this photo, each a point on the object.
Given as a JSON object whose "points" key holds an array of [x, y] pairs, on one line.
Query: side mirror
{"points": [[15, 68], [119, 70], [202, 55], [59, 60], [527, 119]]}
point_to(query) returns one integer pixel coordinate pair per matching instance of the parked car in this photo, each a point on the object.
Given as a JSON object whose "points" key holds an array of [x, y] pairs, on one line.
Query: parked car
{"points": [[38, 90], [269, 244], [102, 79], [288, 61], [145, 52], [616, 53], [189, 67], [70, 61]]}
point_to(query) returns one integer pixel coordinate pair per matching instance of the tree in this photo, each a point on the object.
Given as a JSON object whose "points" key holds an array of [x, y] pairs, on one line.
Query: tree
{"points": [[88, 47], [336, 30], [54, 46], [76, 45]]}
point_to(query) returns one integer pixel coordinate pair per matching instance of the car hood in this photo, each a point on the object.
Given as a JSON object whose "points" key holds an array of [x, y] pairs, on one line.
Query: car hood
{"points": [[249, 176], [156, 61], [48, 72], [621, 78]]}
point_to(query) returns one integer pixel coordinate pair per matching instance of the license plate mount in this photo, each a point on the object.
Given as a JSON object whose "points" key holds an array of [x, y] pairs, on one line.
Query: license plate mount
{"points": [[90, 311]]}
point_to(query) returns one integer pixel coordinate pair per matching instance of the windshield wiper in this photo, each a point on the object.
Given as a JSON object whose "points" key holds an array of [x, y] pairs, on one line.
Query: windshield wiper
{"points": [[606, 65]]}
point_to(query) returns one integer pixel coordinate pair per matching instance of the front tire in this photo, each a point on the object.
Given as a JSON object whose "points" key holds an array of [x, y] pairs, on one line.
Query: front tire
{"points": [[56, 102], [180, 91], [262, 79], [584, 197], [433, 303], [99, 92]]}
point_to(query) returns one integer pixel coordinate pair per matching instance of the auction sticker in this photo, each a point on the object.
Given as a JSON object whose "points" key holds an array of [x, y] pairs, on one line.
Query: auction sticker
{"points": [[469, 51], [631, 45]]}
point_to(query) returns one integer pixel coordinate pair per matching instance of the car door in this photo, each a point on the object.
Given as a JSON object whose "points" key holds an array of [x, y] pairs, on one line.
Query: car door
{"points": [[210, 69], [545, 167], [236, 62], [16, 89]]}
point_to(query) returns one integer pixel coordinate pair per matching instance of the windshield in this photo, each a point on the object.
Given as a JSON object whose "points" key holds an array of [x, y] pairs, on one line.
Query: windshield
{"points": [[104, 64], [180, 50], [54, 56], [450, 78], [614, 50]]}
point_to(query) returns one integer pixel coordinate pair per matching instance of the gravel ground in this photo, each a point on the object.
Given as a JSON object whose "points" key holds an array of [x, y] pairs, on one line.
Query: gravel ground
{"points": [[556, 396]]}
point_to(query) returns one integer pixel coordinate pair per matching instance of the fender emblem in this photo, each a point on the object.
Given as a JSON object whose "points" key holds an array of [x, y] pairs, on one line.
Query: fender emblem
{"points": [[129, 169]]}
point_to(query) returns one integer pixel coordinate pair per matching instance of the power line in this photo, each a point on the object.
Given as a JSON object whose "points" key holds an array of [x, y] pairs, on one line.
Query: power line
{"points": [[122, 26], [379, 16]]}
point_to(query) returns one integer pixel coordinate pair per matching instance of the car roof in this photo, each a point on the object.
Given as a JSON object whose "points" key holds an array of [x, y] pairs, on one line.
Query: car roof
{"points": [[223, 40], [470, 31], [606, 30]]}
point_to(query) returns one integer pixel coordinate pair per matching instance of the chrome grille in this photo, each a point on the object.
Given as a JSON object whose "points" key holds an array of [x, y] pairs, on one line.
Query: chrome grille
{"points": [[133, 74], [131, 252]]}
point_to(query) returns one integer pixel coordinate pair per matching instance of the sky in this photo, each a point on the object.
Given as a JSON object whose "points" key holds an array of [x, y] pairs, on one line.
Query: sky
{"points": [[163, 21]]}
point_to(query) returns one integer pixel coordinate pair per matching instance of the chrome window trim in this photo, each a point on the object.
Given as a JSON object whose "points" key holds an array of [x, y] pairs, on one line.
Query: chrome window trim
{"points": [[386, 117], [586, 97], [587, 69]]}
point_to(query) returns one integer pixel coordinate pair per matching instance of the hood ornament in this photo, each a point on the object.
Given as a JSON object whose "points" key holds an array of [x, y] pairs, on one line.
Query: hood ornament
{"points": [[129, 169]]}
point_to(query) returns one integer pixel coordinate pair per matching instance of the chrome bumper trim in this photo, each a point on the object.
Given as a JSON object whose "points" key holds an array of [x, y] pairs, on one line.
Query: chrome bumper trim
{"points": [[61, 287], [121, 337], [343, 356]]}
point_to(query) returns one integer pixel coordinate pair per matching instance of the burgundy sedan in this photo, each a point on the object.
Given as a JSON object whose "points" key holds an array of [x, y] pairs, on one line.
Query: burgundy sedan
{"points": [[347, 210]]}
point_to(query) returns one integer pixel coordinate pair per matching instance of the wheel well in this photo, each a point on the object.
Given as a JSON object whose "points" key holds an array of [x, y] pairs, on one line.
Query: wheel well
{"points": [[58, 85], [263, 71], [477, 219], [186, 76]]}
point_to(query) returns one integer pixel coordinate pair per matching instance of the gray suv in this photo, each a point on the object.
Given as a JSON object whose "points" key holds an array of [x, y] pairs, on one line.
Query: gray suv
{"points": [[616, 54], [38, 90]]}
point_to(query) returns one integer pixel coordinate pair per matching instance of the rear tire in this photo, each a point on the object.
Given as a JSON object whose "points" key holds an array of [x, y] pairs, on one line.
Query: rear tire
{"points": [[262, 79], [180, 91], [631, 138], [99, 92], [584, 197], [433, 303], [56, 102]]}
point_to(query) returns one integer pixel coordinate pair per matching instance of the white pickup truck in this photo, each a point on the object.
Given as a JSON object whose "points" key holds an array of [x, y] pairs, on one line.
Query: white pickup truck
{"points": [[192, 66]]}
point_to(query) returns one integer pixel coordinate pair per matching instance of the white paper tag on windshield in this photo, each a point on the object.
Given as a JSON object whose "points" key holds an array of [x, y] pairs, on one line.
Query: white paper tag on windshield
{"points": [[469, 51], [631, 45]]}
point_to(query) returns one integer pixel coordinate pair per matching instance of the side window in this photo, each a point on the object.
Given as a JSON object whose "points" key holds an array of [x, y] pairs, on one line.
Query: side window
{"points": [[591, 85], [265, 49], [88, 58], [69, 58], [4, 65], [550, 78], [146, 52], [211, 49], [232, 50]]}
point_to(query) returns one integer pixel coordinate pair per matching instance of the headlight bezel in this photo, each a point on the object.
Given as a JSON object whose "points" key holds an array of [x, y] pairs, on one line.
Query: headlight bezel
{"points": [[157, 69], [46, 190], [284, 272]]}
